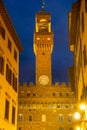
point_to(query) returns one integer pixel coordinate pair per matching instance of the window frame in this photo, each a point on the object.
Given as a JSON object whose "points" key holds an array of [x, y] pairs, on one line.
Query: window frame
{"points": [[60, 117], [7, 107], [9, 45], [13, 114], [2, 32], [2, 65], [15, 55]]}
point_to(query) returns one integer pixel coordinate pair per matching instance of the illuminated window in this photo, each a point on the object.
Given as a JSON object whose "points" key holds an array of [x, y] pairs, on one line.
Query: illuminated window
{"points": [[7, 109], [1, 65], [62, 106], [20, 117], [38, 38], [43, 118], [60, 118], [43, 25], [13, 115], [49, 105], [43, 20], [48, 38]]}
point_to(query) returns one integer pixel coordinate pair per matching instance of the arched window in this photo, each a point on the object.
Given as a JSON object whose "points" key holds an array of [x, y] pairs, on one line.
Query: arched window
{"points": [[69, 118], [60, 118], [20, 117]]}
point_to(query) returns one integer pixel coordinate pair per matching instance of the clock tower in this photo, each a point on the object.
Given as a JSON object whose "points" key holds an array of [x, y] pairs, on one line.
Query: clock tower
{"points": [[43, 47]]}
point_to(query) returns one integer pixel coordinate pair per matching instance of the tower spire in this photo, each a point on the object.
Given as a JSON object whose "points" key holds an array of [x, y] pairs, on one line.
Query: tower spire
{"points": [[43, 4]]}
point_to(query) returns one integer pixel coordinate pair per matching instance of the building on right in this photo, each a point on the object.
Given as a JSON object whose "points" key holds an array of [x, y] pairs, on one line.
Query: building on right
{"points": [[77, 23], [78, 44]]}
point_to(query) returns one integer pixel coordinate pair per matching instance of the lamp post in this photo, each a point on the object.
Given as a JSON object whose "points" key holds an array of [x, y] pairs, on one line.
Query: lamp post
{"points": [[77, 117], [84, 116]]}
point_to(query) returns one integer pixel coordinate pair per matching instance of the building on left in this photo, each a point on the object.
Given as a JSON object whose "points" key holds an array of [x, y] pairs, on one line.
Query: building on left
{"points": [[10, 46]]}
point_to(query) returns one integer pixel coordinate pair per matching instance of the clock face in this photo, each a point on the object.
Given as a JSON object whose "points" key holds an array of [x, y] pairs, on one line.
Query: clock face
{"points": [[43, 79]]}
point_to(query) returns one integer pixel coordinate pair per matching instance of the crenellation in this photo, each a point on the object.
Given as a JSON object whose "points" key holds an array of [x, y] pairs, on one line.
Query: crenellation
{"points": [[52, 92]]}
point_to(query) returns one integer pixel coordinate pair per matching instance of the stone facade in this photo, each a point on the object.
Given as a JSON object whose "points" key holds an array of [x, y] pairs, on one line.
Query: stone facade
{"points": [[9, 68], [78, 44], [46, 107]]}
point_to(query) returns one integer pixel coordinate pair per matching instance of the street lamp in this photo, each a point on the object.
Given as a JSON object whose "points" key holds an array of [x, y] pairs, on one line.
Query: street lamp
{"points": [[83, 107], [78, 128], [81, 117], [77, 116]]}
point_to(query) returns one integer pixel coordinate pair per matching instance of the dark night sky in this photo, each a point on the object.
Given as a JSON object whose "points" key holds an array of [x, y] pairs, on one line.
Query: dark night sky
{"points": [[22, 14]]}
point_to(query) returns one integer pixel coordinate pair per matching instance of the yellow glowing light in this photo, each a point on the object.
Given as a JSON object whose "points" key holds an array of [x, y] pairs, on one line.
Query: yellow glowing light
{"points": [[43, 20], [78, 128], [83, 106], [48, 38], [77, 115], [38, 38]]}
